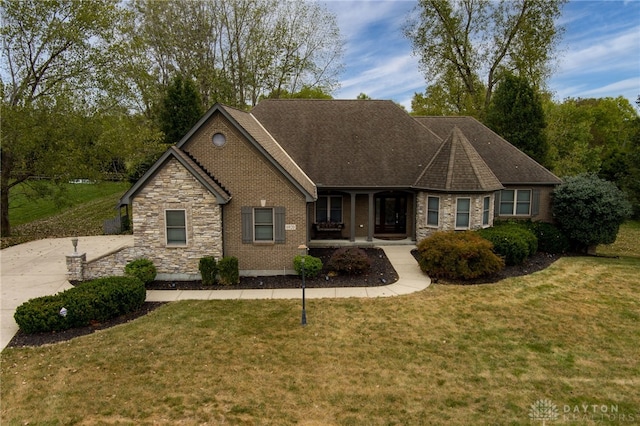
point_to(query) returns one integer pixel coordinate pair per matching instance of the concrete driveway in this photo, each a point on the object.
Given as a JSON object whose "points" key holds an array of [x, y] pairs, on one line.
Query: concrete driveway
{"points": [[38, 268]]}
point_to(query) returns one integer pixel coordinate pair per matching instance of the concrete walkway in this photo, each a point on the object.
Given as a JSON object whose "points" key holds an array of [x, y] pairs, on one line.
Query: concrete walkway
{"points": [[38, 268]]}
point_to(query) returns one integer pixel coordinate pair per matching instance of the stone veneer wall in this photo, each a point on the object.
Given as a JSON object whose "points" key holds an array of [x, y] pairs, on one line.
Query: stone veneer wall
{"points": [[175, 188], [447, 219]]}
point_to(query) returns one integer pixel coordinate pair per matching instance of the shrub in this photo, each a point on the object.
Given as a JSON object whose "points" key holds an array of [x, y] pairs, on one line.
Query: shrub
{"points": [[458, 255], [513, 241], [96, 300], [312, 265], [550, 238], [208, 270], [228, 270], [589, 210], [352, 260], [142, 269]]}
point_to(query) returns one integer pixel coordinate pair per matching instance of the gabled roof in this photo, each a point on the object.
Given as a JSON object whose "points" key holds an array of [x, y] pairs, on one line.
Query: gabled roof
{"points": [[208, 181], [264, 142], [350, 143], [508, 163], [457, 167]]}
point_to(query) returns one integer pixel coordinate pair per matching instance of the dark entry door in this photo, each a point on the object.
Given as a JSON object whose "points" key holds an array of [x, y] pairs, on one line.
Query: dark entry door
{"points": [[391, 213]]}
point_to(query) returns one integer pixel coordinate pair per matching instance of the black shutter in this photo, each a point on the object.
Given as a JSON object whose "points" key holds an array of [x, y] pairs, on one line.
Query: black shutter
{"points": [[247, 225], [496, 205], [279, 225]]}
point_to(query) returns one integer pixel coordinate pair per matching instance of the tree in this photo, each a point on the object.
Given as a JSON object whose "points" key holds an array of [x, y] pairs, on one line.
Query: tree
{"points": [[466, 44], [54, 58], [589, 210], [180, 109], [516, 114], [569, 136], [238, 51]]}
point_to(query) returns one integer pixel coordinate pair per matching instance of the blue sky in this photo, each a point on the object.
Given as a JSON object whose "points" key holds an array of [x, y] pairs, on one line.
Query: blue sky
{"points": [[599, 55]]}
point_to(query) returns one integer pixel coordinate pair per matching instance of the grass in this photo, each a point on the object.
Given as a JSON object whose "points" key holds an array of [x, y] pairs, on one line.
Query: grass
{"points": [[447, 355], [68, 210]]}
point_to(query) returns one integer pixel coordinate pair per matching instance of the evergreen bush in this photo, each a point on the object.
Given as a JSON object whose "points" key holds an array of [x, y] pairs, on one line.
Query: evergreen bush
{"points": [[228, 270], [513, 241], [208, 270], [458, 255], [312, 265], [143, 269], [95, 300], [550, 238]]}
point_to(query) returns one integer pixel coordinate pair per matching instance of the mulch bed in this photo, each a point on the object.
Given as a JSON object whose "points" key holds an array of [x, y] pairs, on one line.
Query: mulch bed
{"points": [[381, 270], [380, 273]]}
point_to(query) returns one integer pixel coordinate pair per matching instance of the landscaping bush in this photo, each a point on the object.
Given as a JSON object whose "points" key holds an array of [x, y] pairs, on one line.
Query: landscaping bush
{"points": [[96, 300], [352, 260], [228, 270], [513, 241], [208, 270], [458, 255], [312, 265], [142, 269], [550, 238]]}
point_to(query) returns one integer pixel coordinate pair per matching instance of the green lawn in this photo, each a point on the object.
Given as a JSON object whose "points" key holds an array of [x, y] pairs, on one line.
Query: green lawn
{"points": [[456, 355], [72, 209], [26, 205]]}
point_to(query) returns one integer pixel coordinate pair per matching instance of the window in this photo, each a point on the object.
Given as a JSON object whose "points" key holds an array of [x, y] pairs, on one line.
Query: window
{"points": [[515, 202], [263, 224], [433, 211], [463, 206], [176, 224], [329, 209], [485, 211]]}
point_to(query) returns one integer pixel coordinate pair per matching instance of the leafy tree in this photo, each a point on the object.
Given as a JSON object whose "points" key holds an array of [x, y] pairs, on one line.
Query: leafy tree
{"points": [[55, 56], [516, 114], [569, 136], [589, 210], [237, 51], [363, 97], [180, 109], [464, 45]]}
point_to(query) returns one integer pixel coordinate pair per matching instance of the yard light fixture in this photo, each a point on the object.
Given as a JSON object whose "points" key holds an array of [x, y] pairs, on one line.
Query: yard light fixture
{"points": [[303, 251], [74, 241]]}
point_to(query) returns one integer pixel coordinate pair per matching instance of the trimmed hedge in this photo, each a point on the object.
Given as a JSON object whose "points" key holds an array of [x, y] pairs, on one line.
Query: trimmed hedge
{"points": [[208, 270], [513, 241], [95, 300], [312, 265], [228, 270], [143, 269], [550, 238], [352, 260], [458, 255]]}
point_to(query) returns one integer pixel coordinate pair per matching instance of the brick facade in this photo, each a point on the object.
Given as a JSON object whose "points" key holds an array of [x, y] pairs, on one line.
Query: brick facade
{"points": [[253, 181]]}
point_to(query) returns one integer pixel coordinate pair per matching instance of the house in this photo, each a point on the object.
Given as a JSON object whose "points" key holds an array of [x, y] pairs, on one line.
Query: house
{"points": [[256, 185]]}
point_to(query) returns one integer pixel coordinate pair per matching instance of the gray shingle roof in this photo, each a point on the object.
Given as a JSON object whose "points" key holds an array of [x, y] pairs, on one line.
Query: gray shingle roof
{"points": [[350, 143], [508, 163], [457, 167]]}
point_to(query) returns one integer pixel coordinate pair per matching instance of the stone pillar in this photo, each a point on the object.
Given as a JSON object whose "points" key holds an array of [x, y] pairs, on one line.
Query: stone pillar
{"points": [[75, 266]]}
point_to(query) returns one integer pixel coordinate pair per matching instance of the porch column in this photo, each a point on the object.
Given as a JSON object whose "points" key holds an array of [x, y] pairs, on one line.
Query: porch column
{"points": [[372, 212], [352, 232]]}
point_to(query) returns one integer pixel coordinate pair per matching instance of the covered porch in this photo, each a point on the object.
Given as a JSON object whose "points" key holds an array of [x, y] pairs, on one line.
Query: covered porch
{"points": [[361, 217]]}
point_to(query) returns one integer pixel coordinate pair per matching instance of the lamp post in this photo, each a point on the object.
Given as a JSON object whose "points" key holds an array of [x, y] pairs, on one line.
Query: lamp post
{"points": [[303, 251], [74, 241]]}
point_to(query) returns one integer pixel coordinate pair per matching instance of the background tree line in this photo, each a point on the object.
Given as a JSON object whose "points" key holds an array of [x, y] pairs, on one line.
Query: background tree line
{"points": [[92, 89], [98, 89]]}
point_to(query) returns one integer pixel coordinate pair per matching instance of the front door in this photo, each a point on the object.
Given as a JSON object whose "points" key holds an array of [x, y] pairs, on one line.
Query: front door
{"points": [[391, 213]]}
